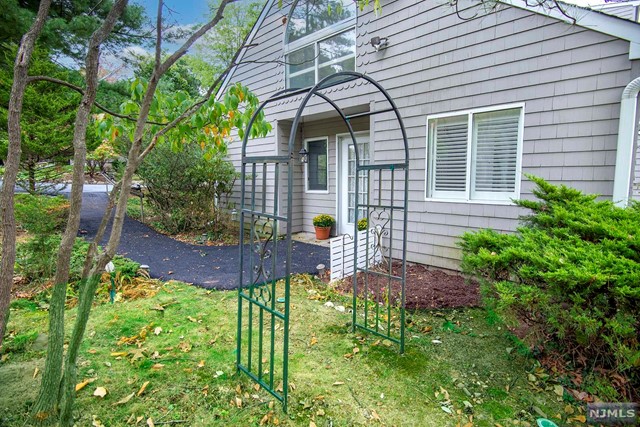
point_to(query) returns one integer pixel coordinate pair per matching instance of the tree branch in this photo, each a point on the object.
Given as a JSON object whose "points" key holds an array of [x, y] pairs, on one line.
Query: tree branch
{"points": [[78, 89], [194, 37], [185, 114], [159, 36]]}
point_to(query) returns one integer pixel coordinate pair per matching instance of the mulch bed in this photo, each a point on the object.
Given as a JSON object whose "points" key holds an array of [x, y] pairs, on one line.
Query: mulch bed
{"points": [[425, 287]]}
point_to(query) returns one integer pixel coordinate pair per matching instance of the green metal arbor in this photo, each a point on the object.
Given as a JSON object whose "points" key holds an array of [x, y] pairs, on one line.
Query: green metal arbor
{"points": [[266, 211]]}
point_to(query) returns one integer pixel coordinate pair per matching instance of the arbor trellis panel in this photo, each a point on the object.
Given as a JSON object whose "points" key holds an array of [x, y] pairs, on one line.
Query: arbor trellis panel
{"points": [[265, 260]]}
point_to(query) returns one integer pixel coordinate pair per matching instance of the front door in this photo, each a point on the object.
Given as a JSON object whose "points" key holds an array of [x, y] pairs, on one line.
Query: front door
{"points": [[347, 180]]}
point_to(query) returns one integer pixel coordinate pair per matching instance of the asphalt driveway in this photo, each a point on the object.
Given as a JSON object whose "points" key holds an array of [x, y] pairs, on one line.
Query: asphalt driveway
{"points": [[206, 266]]}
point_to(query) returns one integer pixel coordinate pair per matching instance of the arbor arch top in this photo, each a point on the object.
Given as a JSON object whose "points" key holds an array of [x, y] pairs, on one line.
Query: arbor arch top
{"points": [[379, 261]]}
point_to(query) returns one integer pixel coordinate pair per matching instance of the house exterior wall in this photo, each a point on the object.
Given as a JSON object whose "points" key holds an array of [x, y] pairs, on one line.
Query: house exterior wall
{"points": [[569, 78]]}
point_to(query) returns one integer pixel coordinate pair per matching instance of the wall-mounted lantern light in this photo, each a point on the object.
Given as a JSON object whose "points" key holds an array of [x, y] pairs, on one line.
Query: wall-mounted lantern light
{"points": [[304, 155], [379, 43]]}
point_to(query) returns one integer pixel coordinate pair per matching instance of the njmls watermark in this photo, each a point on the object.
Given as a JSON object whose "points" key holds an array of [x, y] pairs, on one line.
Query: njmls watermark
{"points": [[613, 413]]}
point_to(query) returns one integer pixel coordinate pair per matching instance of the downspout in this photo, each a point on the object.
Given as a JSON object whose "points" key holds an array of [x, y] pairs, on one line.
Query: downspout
{"points": [[626, 139]]}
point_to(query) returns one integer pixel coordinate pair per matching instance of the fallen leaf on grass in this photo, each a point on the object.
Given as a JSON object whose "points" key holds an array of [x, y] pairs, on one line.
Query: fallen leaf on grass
{"points": [[157, 366], [92, 351], [100, 392], [157, 330], [35, 372], [313, 341], [137, 353], [157, 308], [356, 350], [150, 422], [124, 400], [119, 354], [143, 388], [375, 415], [96, 422], [559, 390], [238, 402], [201, 364], [338, 383], [579, 418], [312, 424], [185, 346]]}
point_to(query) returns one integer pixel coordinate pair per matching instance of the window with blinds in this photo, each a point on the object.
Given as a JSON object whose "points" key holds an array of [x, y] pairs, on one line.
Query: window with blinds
{"points": [[475, 155]]}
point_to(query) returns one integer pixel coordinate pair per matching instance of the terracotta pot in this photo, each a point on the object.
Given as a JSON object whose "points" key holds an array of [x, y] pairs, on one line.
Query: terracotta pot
{"points": [[322, 233]]}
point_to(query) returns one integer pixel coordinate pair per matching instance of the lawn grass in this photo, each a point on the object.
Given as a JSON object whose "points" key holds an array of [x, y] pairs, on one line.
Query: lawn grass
{"points": [[189, 365]]}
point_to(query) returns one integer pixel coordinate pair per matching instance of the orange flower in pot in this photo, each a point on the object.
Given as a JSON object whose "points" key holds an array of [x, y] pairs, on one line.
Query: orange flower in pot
{"points": [[323, 224]]}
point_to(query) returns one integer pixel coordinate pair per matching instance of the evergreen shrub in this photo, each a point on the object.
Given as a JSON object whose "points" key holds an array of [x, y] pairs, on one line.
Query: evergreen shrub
{"points": [[570, 275]]}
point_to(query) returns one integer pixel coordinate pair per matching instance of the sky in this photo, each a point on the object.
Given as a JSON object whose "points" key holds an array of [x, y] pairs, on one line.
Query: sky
{"points": [[184, 11]]}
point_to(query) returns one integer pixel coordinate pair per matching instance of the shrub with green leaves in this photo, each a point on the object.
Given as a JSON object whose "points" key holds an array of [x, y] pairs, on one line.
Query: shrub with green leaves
{"points": [[188, 188], [41, 215], [571, 273], [36, 258]]}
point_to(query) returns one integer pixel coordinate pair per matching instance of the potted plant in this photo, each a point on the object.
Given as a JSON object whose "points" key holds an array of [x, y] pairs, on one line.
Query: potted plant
{"points": [[323, 224]]}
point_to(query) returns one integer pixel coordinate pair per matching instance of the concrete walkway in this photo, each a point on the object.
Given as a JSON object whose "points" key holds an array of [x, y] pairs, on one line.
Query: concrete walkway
{"points": [[206, 266]]}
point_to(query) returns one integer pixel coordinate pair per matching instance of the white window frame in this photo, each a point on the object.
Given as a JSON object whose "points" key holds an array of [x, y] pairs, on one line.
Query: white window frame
{"points": [[306, 165], [466, 197], [315, 39]]}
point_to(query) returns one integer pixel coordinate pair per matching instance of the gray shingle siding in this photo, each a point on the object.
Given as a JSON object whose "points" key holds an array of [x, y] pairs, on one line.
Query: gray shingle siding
{"points": [[569, 78]]}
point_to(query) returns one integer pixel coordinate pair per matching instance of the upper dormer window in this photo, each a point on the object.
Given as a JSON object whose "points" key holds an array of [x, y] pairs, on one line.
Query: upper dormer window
{"points": [[320, 40]]}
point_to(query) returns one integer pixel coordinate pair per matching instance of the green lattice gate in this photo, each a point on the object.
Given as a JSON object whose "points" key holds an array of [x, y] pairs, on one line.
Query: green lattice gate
{"points": [[266, 208]]}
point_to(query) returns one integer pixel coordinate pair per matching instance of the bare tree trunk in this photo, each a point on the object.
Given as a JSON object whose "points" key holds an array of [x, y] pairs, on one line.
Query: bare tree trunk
{"points": [[50, 388], [20, 74]]}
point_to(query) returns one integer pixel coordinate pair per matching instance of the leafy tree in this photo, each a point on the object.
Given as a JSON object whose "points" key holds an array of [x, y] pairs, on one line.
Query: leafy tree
{"points": [[70, 24], [217, 48], [98, 158], [180, 77], [42, 140]]}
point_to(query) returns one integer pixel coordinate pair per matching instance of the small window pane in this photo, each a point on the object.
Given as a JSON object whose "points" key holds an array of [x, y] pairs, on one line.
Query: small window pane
{"points": [[317, 166], [302, 80], [310, 16], [301, 59], [336, 47]]}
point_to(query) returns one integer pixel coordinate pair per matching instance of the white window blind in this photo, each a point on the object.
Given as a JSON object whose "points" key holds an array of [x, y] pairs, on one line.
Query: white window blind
{"points": [[475, 156], [450, 156]]}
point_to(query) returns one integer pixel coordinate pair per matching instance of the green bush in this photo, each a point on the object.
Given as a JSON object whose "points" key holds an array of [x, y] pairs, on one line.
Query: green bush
{"points": [[36, 258], [571, 274], [41, 215], [188, 189]]}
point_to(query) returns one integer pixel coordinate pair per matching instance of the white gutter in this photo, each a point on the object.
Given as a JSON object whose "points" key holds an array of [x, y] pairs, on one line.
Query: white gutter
{"points": [[626, 138]]}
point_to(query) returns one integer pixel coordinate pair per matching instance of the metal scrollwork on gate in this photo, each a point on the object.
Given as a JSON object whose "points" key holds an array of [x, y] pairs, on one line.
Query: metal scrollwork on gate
{"points": [[378, 227], [262, 241]]}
